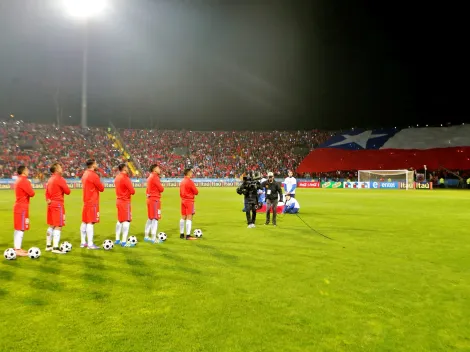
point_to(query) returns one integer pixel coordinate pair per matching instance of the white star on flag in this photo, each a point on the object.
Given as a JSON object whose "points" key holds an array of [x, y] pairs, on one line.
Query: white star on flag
{"points": [[360, 139]]}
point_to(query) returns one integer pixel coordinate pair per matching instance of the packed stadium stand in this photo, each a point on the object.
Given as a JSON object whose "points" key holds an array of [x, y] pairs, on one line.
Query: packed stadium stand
{"points": [[210, 154], [221, 154], [320, 155], [38, 146]]}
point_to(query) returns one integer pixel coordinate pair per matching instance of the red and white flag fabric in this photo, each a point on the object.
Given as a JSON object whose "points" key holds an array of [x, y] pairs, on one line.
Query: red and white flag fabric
{"points": [[389, 149]]}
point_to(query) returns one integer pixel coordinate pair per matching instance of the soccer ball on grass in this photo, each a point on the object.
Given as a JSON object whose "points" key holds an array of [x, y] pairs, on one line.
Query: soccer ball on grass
{"points": [[34, 253], [9, 254], [198, 233], [66, 247], [108, 245], [162, 236], [132, 240]]}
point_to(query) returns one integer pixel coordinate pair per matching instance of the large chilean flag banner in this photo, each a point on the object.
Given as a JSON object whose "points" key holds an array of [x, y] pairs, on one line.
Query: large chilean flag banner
{"points": [[390, 149]]}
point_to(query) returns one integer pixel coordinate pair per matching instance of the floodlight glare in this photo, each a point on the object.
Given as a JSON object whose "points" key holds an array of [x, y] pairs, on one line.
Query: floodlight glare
{"points": [[85, 8]]}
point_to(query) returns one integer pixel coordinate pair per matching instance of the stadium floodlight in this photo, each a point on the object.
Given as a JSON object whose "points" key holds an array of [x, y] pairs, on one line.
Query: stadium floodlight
{"points": [[84, 8]]}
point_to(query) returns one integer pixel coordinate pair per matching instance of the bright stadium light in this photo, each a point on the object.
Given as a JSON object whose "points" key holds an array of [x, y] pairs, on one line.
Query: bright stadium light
{"points": [[85, 8]]}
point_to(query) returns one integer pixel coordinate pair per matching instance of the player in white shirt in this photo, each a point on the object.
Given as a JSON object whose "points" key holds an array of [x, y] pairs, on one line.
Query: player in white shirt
{"points": [[292, 205], [290, 184]]}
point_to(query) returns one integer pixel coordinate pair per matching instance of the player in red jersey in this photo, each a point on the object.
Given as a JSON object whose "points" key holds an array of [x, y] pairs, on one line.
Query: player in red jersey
{"points": [[154, 210], [23, 192], [187, 192], [124, 191], [55, 189], [92, 187]]}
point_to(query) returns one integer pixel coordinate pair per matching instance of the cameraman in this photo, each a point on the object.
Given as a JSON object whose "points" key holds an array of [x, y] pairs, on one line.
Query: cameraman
{"points": [[249, 188], [273, 193]]}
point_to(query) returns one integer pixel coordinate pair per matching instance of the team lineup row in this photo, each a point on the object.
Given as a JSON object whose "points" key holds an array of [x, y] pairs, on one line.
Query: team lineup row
{"points": [[92, 186]]}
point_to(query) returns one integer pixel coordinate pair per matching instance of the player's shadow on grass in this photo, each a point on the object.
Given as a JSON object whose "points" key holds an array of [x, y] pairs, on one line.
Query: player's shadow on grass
{"points": [[94, 277], [4, 245], [35, 301], [6, 275], [93, 262], [229, 258], [47, 285], [139, 269], [3, 292], [182, 265], [94, 269], [171, 255], [50, 265], [96, 295]]}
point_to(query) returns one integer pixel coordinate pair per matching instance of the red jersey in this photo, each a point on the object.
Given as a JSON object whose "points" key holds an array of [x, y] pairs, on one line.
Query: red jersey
{"points": [[92, 187], [188, 189], [154, 186], [124, 188], [23, 191], [56, 188]]}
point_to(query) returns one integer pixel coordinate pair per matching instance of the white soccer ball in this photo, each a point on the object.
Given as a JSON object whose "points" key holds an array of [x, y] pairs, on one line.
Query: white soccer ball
{"points": [[162, 236], [198, 233], [66, 247], [108, 245], [9, 254], [34, 253], [132, 240]]}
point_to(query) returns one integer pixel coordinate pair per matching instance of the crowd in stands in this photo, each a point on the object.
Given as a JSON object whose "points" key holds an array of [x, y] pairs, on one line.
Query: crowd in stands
{"points": [[210, 154], [221, 154], [38, 146]]}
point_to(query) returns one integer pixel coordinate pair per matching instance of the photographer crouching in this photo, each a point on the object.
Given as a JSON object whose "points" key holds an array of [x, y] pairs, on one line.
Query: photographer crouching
{"points": [[273, 193], [249, 188]]}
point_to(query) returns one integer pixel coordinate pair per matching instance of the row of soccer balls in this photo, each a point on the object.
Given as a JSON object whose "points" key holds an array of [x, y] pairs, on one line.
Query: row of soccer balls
{"points": [[35, 253]]}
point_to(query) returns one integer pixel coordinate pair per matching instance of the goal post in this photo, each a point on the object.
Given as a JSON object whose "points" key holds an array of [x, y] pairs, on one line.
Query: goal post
{"points": [[404, 176]]}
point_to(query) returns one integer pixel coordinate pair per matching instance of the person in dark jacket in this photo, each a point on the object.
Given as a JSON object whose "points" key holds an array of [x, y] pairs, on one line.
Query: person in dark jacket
{"points": [[273, 193], [249, 188]]}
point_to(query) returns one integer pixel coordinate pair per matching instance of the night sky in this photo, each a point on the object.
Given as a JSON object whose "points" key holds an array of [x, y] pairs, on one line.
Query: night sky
{"points": [[260, 65]]}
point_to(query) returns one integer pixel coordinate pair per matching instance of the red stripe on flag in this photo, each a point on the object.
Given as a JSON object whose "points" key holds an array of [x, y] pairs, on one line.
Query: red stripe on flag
{"points": [[332, 159]]}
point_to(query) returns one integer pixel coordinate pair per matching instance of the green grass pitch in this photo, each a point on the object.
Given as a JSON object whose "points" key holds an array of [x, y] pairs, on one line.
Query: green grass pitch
{"points": [[396, 277]]}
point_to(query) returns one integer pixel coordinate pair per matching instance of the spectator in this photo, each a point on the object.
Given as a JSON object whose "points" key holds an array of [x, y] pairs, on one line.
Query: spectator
{"points": [[217, 154]]}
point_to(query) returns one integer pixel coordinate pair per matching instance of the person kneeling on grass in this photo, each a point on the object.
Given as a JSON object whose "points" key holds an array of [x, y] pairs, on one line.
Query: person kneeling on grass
{"points": [[292, 205]]}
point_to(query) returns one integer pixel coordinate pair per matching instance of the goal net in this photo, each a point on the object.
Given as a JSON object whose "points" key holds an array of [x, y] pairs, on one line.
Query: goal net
{"points": [[404, 176]]}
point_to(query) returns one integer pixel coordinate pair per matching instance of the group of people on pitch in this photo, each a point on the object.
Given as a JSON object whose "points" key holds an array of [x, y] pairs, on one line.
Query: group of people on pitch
{"points": [[271, 193], [92, 186]]}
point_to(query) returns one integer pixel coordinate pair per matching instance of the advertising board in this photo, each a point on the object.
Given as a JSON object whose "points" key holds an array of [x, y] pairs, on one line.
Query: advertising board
{"points": [[307, 184], [356, 185], [331, 184]]}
